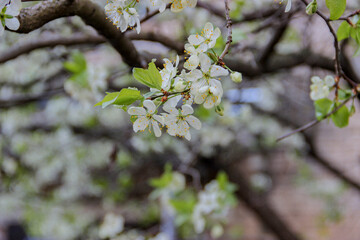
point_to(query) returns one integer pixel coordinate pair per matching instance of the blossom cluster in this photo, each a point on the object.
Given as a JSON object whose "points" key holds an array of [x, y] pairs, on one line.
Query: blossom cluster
{"points": [[320, 88], [123, 14], [198, 83], [208, 208], [211, 204], [8, 13]]}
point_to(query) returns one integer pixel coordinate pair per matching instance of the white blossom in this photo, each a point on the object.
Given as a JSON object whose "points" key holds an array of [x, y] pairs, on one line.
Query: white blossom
{"points": [[321, 88], [179, 5], [206, 87], [177, 120], [146, 117], [112, 226], [8, 13], [122, 15], [168, 73], [160, 4]]}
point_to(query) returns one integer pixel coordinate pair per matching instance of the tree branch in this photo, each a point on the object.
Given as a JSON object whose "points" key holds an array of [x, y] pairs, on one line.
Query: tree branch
{"points": [[92, 14]]}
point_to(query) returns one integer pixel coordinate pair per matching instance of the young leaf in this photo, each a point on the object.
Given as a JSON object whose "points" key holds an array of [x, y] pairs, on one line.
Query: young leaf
{"points": [[343, 31], [344, 94], [150, 77], [123, 98], [341, 117], [336, 8], [322, 107]]}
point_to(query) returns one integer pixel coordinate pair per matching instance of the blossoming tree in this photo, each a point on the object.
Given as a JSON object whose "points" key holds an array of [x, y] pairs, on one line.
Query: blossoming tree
{"points": [[187, 131]]}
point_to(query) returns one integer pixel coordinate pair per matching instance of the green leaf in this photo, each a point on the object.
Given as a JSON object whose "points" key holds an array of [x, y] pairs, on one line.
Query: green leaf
{"points": [[322, 107], [164, 179], [341, 117], [343, 31], [344, 94], [336, 8], [77, 63], [352, 110], [123, 98], [150, 77]]}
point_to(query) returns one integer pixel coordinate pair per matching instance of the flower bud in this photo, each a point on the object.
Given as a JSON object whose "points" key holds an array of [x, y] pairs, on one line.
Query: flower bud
{"points": [[236, 77], [219, 110], [311, 8], [180, 86]]}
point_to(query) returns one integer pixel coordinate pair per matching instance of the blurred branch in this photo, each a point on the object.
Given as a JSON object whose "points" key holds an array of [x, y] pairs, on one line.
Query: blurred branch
{"points": [[17, 101], [78, 39], [53, 41], [269, 48], [312, 149], [92, 14], [256, 202]]}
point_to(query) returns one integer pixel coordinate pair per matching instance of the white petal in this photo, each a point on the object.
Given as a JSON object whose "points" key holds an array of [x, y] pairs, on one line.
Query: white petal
{"points": [[217, 71], [183, 128], [159, 118], [171, 103], [187, 110], [14, 8], [192, 62], [2, 4], [156, 128], [202, 48], [172, 128], [200, 98], [210, 101], [208, 30], [2, 29], [137, 111], [288, 6], [188, 136], [12, 23], [205, 62], [140, 124], [196, 39], [150, 106], [194, 75], [194, 122]]}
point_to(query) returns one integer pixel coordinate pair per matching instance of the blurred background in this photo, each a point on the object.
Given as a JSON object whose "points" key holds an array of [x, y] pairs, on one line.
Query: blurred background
{"points": [[65, 164]]}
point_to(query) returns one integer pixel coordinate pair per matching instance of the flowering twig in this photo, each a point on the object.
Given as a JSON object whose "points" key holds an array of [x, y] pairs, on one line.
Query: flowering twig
{"points": [[229, 34], [314, 122]]}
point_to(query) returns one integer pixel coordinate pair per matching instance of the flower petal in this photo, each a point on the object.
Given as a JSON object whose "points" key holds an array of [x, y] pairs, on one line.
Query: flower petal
{"points": [[156, 128], [196, 39], [12, 23], [150, 106], [187, 110], [192, 62], [208, 30], [13, 8], [159, 118], [205, 62], [182, 128], [194, 75], [140, 124], [193, 121], [137, 111], [217, 71]]}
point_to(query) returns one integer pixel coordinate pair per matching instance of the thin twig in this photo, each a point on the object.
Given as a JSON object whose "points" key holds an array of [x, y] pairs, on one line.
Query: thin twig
{"points": [[229, 34], [314, 122]]}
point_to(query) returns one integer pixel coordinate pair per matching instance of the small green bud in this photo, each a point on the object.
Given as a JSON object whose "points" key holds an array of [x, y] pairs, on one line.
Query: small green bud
{"points": [[180, 86], [236, 77], [219, 110], [311, 8]]}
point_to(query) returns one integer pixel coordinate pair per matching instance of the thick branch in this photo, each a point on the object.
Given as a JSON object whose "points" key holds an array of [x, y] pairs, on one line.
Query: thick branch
{"points": [[92, 14]]}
